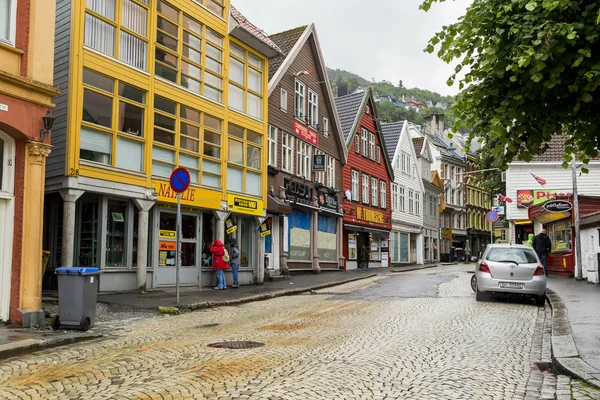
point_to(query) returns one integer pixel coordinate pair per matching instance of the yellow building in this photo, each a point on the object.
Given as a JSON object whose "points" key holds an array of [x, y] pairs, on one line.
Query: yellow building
{"points": [[149, 86], [478, 202], [26, 93]]}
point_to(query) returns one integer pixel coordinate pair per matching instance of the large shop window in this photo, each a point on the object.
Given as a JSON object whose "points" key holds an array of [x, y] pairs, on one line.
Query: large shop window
{"points": [[394, 246], [179, 53], [245, 160], [352, 246], [88, 231], [186, 137], [208, 236], [125, 38], [247, 245], [560, 235], [245, 81], [327, 238], [116, 234], [299, 236], [375, 251], [101, 134]]}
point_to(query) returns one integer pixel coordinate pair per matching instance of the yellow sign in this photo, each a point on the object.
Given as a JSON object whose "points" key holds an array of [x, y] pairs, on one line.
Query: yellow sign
{"points": [[366, 214], [194, 196], [564, 263], [167, 234], [169, 246], [230, 226], [245, 205]]}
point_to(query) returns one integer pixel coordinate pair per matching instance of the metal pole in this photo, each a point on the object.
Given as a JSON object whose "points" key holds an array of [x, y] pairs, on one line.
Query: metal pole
{"points": [[178, 259], [578, 271]]}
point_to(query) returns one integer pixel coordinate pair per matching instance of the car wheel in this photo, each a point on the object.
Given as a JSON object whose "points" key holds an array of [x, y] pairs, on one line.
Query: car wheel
{"points": [[474, 283], [540, 300]]}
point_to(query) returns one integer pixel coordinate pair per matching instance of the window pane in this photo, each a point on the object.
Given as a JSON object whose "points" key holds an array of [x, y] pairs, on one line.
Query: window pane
{"points": [[237, 51], [213, 65], [160, 154], [188, 144], [172, 31], [164, 122], [253, 60], [191, 54], [253, 183], [132, 93], [190, 130], [236, 97], [98, 81], [116, 234], [212, 122], [130, 154], [236, 71], [192, 41], [191, 70], [164, 137], [5, 29], [190, 114], [95, 145], [212, 151], [214, 37], [213, 80], [213, 94], [253, 157], [192, 25], [235, 179], [165, 105], [215, 7], [134, 17], [133, 51], [254, 137], [165, 72], [236, 131], [190, 84], [212, 167], [254, 106], [212, 138], [97, 108], [214, 52], [254, 80], [168, 11], [99, 35], [161, 169], [211, 180], [131, 119], [106, 8], [236, 152], [188, 161]]}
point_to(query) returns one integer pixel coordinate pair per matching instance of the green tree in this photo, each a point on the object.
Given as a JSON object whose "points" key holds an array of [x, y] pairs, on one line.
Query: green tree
{"points": [[533, 70]]}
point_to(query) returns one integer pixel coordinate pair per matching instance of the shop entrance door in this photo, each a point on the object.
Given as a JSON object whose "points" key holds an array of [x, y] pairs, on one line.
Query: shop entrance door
{"points": [[7, 161], [363, 253], [189, 273], [404, 247]]}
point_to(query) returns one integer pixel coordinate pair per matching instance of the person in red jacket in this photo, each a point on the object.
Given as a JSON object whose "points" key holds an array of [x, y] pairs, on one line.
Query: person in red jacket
{"points": [[219, 265]]}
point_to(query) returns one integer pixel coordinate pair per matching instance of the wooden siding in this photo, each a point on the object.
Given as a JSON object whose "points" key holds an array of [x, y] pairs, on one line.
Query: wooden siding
{"points": [[55, 165], [284, 120], [373, 169]]}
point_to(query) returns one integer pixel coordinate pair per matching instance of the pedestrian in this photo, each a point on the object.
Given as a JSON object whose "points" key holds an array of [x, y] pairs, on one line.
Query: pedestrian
{"points": [[219, 263], [542, 246], [234, 262], [529, 241]]}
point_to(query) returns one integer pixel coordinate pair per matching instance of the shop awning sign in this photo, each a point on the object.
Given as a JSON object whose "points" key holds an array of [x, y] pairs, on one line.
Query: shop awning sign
{"points": [[245, 205], [557, 206], [327, 202], [230, 225]]}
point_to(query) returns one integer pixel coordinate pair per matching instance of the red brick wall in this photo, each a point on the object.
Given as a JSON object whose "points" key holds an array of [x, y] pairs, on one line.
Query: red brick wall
{"points": [[373, 169], [22, 39], [15, 280]]}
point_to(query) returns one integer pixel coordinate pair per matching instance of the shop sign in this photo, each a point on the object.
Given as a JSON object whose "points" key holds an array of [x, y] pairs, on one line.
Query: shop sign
{"points": [[528, 198], [366, 214], [328, 202], [193, 196], [3, 107], [230, 225], [304, 133], [167, 246], [558, 206], [265, 227], [245, 205], [318, 163], [298, 192], [163, 234]]}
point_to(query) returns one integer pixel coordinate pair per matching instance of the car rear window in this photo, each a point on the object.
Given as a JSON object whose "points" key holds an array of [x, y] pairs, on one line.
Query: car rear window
{"points": [[521, 256]]}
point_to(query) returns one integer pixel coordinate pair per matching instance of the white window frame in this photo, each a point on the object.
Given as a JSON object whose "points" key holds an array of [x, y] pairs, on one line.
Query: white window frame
{"points": [[287, 153], [365, 189], [365, 149], [313, 108], [417, 203], [452, 196], [283, 100], [325, 127], [272, 143], [299, 100], [374, 192], [411, 202], [330, 171], [402, 198], [12, 25], [7, 179], [383, 194], [304, 152], [357, 144], [378, 152], [394, 197], [372, 146], [355, 186]]}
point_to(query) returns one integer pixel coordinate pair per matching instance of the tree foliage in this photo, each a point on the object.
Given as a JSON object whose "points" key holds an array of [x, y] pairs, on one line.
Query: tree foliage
{"points": [[533, 71]]}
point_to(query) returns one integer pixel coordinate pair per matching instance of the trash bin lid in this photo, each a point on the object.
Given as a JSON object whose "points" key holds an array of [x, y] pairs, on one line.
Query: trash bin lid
{"points": [[77, 270]]}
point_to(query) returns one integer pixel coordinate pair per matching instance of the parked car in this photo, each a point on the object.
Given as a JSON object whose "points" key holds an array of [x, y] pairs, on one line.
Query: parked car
{"points": [[514, 269]]}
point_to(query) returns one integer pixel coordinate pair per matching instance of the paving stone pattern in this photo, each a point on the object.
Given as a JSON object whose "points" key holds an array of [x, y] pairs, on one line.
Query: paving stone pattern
{"points": [[317, 346]]}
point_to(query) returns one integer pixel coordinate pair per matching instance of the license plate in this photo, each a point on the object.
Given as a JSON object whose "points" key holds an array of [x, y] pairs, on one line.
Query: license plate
{"points": [[511, 285]]}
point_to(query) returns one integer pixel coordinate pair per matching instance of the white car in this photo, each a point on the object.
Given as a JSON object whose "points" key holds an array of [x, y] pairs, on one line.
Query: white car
{"points": [[514, 269]]}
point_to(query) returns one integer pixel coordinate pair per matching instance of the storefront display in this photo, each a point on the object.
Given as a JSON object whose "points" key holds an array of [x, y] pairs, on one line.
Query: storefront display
{"points": [[299, 235], [352, 246], [327, 238], [116, 234]]}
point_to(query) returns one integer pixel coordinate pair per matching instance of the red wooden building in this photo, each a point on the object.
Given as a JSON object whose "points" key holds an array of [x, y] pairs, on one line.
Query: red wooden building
{"points": [[366, 180], [558, 218]]}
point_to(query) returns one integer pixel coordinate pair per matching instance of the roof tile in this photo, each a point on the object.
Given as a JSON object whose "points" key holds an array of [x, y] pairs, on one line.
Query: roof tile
{"points": [[253, 29], [285, 41], [391, 135], [348, 107]]}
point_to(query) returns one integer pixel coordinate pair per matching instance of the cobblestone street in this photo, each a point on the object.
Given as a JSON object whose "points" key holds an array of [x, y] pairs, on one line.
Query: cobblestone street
{"points": [[417, 335]]}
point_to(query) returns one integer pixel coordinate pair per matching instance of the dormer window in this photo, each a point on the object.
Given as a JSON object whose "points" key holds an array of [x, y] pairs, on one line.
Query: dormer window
{"points": [[367, 110]]}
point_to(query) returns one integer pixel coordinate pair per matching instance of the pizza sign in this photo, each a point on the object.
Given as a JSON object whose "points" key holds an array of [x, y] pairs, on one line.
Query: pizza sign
{"points": [[528, 198]]}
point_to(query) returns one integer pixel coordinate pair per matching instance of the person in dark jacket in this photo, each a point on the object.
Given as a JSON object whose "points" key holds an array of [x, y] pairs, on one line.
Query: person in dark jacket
{"points": [[234, 254], [219, 265], [542, 246]]}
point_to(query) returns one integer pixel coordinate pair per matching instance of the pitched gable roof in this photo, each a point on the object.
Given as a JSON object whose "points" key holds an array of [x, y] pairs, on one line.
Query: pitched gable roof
{"points": [[243, 29], [418, 145], [295, 39], [348, 108], [286, 41], [391, 135]]}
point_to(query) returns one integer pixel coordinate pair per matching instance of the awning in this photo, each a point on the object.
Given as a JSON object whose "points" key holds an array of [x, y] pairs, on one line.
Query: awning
{"points": [[363, 229], [277, 206], [551, 217], [523, 222]]}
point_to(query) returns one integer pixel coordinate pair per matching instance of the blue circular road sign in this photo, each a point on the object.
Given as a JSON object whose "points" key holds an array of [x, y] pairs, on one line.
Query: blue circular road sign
{"points": [[491, 216], [180, 180]]}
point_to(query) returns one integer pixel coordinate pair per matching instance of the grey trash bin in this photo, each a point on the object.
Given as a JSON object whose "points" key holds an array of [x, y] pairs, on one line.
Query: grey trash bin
{"points": [[77, 293]]}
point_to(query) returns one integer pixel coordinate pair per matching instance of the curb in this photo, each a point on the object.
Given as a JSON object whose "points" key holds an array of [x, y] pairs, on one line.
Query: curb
{"points": [[565, 356], [267, 296], [415, 269], [32, 345]]}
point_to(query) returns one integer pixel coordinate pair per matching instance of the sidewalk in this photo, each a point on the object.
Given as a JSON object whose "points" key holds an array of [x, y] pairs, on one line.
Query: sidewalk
{"points": [[575, 327]]}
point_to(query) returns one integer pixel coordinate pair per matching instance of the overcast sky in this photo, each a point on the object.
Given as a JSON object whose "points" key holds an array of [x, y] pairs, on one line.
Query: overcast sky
{"points": [[390, 33]]}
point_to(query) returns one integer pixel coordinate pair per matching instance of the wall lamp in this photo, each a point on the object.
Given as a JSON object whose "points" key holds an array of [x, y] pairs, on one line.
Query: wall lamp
{"points": [[48, 121]]}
